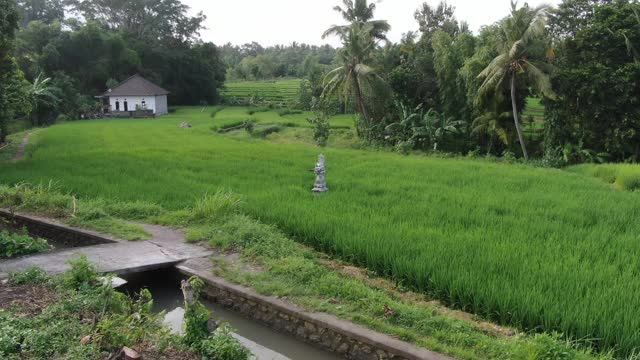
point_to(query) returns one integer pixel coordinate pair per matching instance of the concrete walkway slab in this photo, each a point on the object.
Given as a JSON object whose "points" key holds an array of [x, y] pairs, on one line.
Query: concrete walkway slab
{"points": [[166, 248]]}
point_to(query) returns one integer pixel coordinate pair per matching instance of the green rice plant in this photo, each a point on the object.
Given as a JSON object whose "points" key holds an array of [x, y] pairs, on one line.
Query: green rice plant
{"points": [[215, 206], [539, 249], [265, 131]]}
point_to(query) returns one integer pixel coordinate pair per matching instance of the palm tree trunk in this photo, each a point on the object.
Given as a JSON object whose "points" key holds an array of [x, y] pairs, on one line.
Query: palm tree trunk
{"points": [[515, 116], [490, 144], [360, 100]]}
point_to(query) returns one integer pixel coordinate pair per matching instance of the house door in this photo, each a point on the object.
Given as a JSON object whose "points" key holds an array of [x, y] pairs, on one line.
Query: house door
{"points": [[126, 106], [117, 105]]}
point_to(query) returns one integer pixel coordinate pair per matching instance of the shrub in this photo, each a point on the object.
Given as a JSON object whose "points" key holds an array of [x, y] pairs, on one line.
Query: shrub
{"points": [[321, 128], [32, 275], [81, 275], [223, 346], [62, 118], [20, 244]]}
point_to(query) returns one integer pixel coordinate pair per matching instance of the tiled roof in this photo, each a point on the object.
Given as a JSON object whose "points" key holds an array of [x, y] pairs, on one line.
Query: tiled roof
{"points": [[136, 86]]}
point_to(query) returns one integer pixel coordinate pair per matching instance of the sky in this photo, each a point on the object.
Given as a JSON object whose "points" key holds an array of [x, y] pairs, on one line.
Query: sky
{"points": [[272, 22]]}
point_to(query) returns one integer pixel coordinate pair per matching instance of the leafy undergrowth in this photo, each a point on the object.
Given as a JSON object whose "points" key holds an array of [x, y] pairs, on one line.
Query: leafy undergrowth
{"points": [[99, 215], [310, 279], [17, 244], [83, 309], [622, 176], [79, 316], [9, 149]]}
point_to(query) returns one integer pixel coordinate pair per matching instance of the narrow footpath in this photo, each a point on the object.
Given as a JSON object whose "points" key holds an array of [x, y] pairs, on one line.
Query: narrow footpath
{"points": [[21, 149]]}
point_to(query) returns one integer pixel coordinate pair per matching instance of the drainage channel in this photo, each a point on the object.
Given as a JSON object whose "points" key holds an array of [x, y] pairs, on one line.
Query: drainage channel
{"points": [[165, 287]]}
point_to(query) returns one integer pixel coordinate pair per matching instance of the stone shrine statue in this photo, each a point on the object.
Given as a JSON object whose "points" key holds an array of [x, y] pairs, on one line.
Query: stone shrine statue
{"points": [[321, 185]]}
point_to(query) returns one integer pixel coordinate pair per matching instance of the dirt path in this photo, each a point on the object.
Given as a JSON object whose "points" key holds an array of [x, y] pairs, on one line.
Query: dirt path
{"points": [[23, 145]]}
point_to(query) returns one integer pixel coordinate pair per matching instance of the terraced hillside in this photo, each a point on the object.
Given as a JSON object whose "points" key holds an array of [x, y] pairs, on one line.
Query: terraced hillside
{"points": [[276, 92]]}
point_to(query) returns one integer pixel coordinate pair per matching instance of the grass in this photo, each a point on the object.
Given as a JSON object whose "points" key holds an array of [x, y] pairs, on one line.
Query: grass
{"points": [[275, 265], [539, 249], [91, 214], [277, 92], [621, 176]]}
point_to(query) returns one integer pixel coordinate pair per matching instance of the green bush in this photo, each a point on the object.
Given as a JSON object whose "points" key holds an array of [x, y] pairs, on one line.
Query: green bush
{"points": [[20, 244], [81, 275], [32, 275], [223, 346]]}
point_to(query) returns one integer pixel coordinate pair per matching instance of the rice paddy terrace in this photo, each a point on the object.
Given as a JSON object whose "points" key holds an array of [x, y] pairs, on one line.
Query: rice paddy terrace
{"points": [[271, 91], [542, 249]]}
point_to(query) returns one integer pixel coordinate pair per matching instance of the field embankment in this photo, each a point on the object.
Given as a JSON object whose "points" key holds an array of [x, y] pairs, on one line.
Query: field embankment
{"points": [[537, 248]]}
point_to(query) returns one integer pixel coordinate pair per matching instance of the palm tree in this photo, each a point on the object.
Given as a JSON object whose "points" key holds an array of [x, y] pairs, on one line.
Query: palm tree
{"points": [[354, 74], [436, 126], [359, 12], [42, 93], [491, 124], [522, 33]]}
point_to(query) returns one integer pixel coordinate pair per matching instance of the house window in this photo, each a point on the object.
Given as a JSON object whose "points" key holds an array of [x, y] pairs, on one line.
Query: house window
{"points": [[126, 105], [117, 105], [144, 104]]}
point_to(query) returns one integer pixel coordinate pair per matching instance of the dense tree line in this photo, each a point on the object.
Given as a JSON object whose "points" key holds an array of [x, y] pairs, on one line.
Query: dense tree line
{"points": [[254, 62], [69, 51], [445, 88]]}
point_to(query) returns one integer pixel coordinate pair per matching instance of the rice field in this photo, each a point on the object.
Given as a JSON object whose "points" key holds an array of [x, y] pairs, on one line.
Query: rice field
{"points": [[271, 91], [540, 249], [620, 176]]}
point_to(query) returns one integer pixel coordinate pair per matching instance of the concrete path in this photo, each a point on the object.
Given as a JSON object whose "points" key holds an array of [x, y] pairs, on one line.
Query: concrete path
{"points": [[166, 248], [23, 145]]}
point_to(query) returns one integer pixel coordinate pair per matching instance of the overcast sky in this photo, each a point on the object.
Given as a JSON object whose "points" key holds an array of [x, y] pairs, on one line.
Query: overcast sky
{"points": [[271, 22]]}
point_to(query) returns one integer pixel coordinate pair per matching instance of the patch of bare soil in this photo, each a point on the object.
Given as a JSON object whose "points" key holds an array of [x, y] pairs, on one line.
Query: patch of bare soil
{"points": [[26, 299], [148, 351]]}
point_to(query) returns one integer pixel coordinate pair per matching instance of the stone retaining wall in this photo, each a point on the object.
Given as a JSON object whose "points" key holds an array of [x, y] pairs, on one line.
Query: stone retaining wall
{"points": [[323, 330], [58, 234]]}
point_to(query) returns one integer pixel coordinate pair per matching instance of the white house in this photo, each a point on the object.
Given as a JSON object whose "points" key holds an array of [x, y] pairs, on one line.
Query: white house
{"points": [[137, 93]]}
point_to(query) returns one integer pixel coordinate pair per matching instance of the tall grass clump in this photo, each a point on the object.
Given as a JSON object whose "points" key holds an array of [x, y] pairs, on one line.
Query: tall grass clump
{"points": [[623, 176], [215, 206]]}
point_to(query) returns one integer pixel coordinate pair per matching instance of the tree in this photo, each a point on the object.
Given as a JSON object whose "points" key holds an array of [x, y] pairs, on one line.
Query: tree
{"points": [[440, 18], [149, 20], [359, 39], [521, 41], [597, 84], [491, 125], [437, 125], [8, 25], [42, 95], [46, 11], [360, 11], [354, 74]]}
